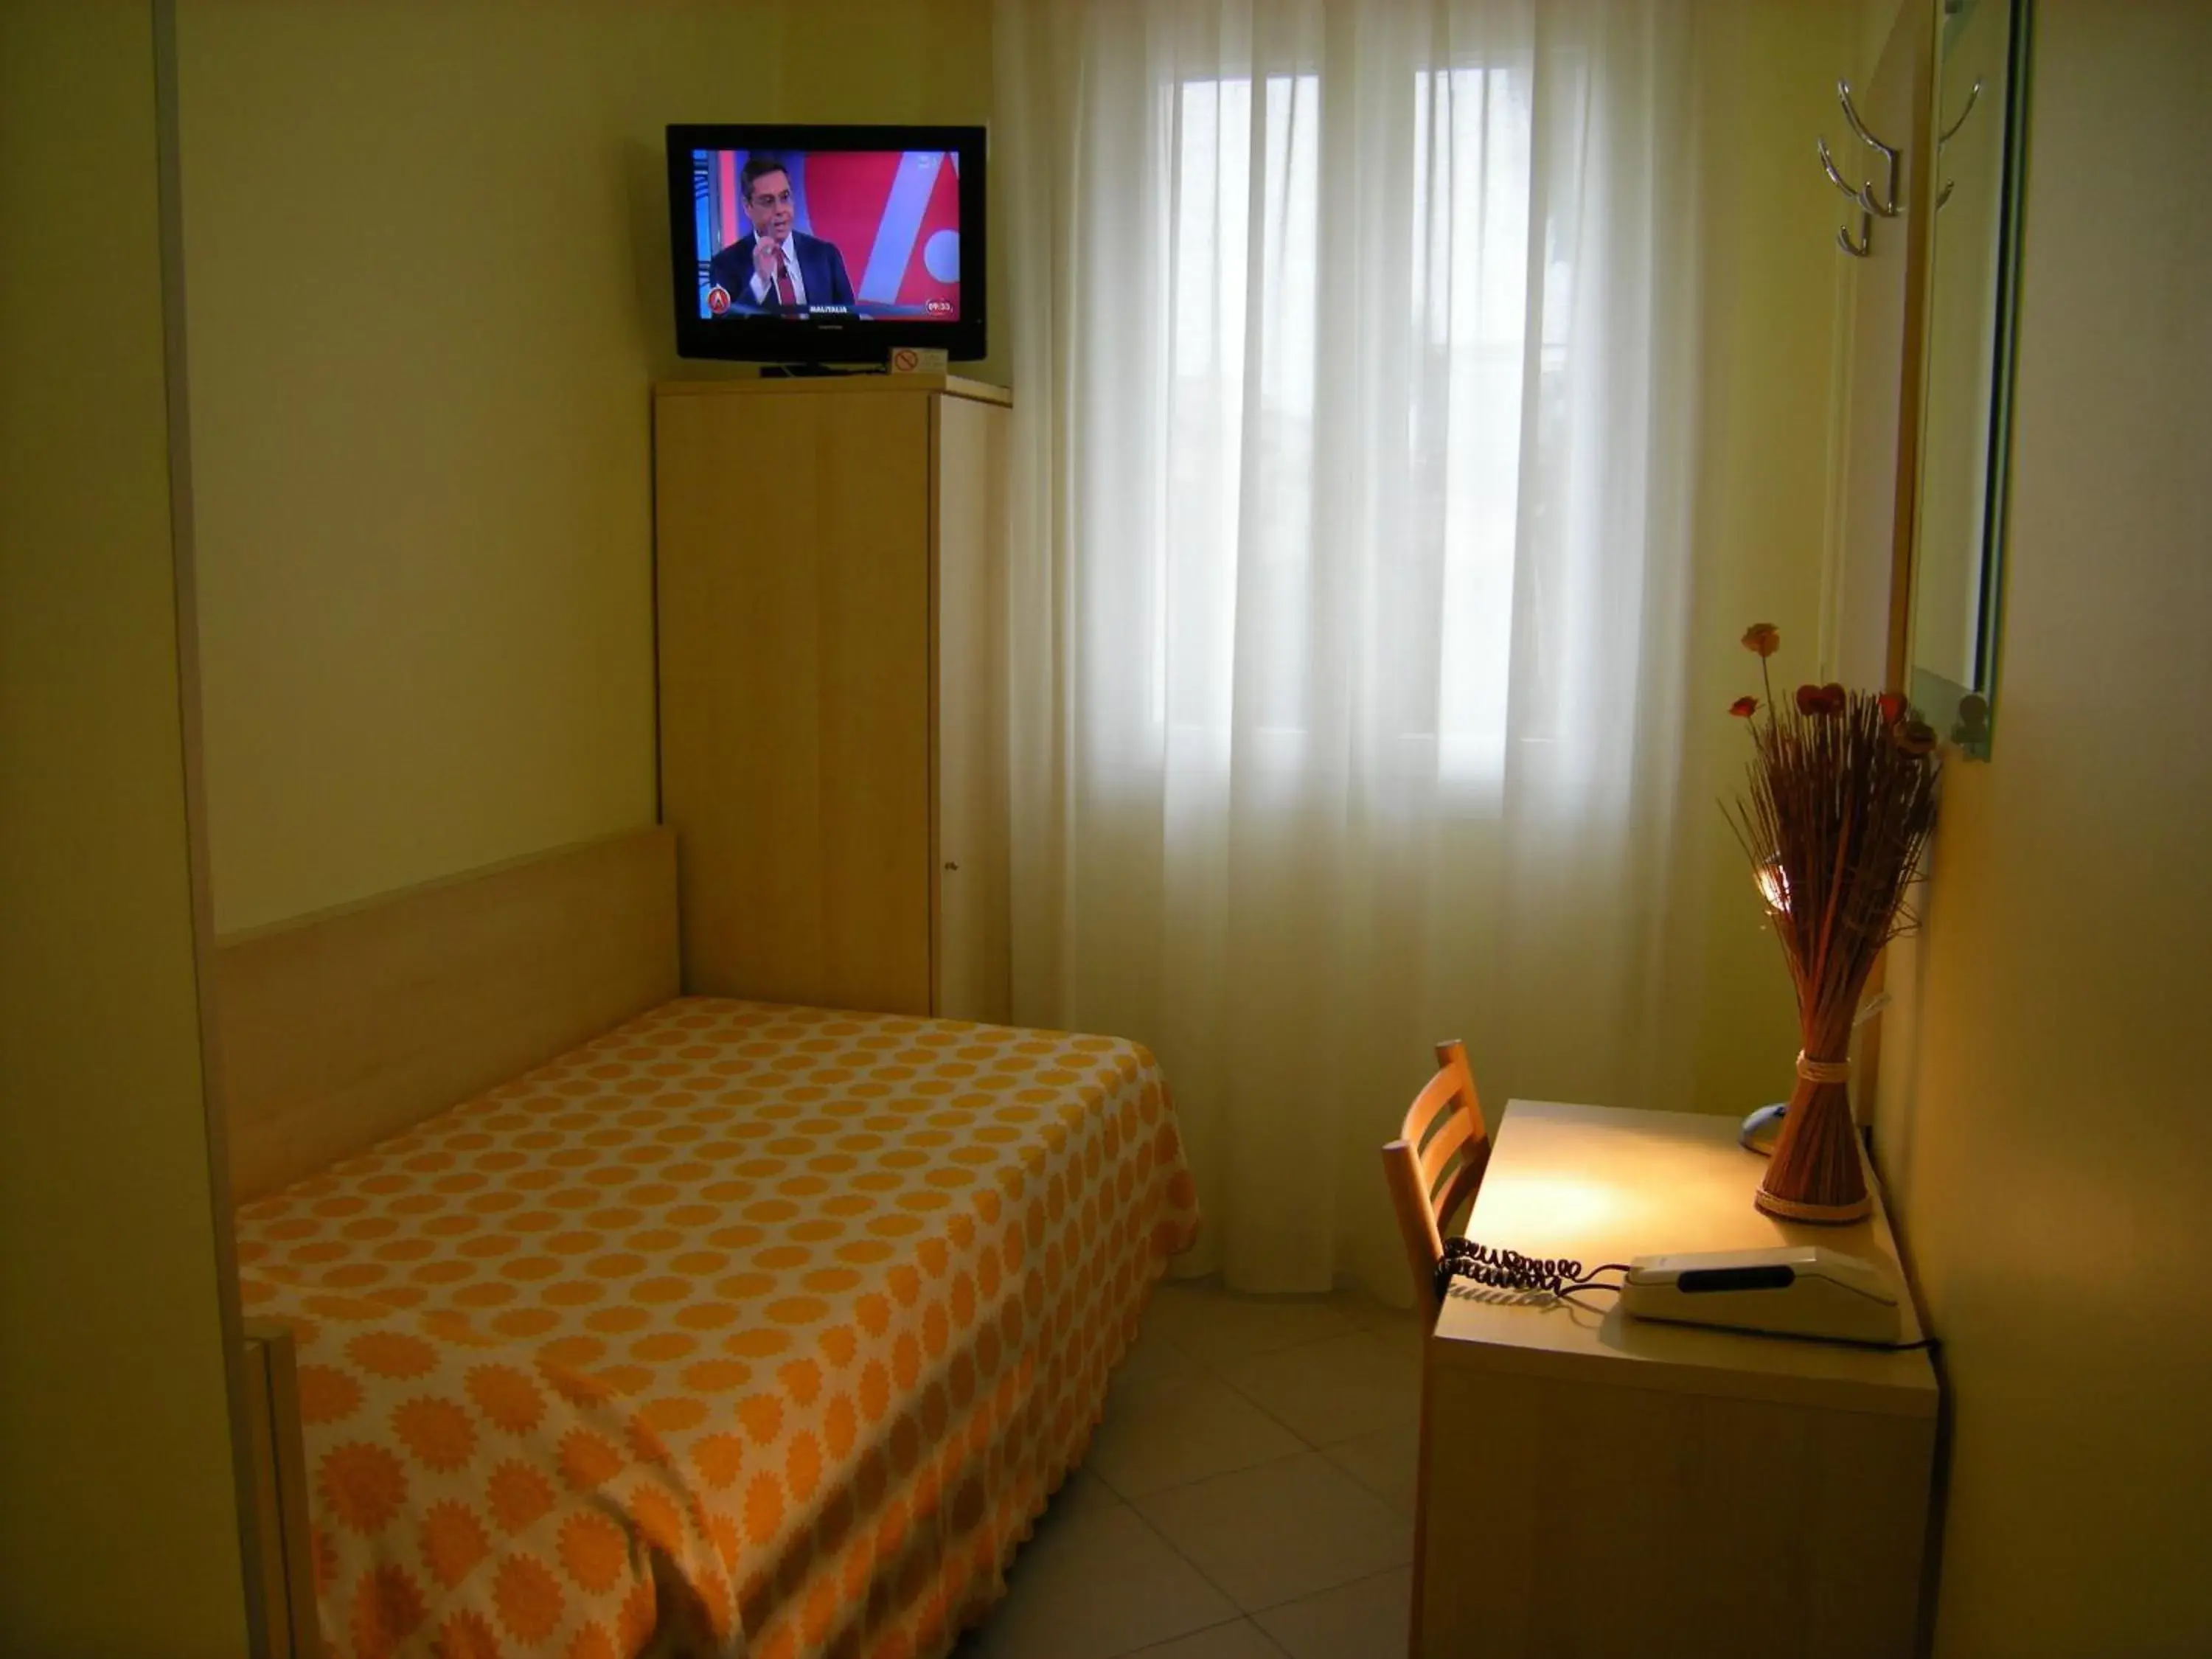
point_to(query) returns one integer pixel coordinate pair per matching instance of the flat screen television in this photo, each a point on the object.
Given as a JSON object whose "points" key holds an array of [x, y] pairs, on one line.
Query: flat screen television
{"points": [[826, 244]]}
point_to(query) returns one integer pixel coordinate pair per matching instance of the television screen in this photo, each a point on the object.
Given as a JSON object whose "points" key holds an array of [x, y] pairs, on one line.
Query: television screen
{"points": [[826, 244]]}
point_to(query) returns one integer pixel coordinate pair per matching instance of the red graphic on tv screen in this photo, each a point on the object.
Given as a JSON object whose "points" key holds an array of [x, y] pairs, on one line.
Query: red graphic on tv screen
{"points": [[850, 194], [718, 300]]}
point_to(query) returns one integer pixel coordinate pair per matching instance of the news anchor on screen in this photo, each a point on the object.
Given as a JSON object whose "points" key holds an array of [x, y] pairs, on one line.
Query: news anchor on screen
{"points": [[777, 268]]}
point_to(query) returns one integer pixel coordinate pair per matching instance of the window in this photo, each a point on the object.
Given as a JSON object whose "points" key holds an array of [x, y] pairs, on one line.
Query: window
{"points": [[1254, 251], [1230, 248]]}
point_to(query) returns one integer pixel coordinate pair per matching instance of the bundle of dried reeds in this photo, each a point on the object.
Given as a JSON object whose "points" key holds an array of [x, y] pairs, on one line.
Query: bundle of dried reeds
{"points": [[1836, 822]]}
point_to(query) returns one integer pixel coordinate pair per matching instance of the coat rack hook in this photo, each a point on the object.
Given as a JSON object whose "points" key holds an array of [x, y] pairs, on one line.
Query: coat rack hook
{"points": [[1887, 205], [1973, 95], [1835, 174], [1889, 153]]}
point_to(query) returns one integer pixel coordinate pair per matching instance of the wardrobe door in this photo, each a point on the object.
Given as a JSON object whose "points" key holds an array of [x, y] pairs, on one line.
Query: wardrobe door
{"points": [[972, 967], [793, 578]]}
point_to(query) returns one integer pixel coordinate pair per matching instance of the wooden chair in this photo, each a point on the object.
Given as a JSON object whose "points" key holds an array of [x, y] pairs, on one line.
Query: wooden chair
{"points": [[1436, 1165]]}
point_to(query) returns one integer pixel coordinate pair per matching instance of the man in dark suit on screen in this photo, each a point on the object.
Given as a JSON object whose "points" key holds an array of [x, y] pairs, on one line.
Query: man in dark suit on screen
{"points": [[777, 269]]}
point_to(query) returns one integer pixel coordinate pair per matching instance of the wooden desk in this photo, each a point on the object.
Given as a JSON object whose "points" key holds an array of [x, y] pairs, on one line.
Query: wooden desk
{"points": [[1594, 1484]]}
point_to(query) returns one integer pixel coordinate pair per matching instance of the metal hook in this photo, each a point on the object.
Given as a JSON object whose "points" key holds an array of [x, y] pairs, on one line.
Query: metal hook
{"points": [[1973, 93], [1835, 175], [1851, 114], [1862, 198], [1887, 207]]}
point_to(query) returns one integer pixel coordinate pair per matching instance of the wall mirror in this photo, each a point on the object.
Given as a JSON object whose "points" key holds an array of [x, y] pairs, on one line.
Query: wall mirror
{"points": [[1978, 133]]}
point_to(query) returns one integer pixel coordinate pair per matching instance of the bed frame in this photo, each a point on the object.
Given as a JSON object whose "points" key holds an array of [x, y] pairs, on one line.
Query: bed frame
{"points": [[343, 1028], [340, 1029]]}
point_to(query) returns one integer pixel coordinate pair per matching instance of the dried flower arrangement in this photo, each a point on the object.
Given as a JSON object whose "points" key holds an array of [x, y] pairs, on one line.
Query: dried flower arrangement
{"points": [[1836, 822]]}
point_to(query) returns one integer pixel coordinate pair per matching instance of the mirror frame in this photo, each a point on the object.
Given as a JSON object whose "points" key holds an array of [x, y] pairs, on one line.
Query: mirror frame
{"points": [[1966, 714]]}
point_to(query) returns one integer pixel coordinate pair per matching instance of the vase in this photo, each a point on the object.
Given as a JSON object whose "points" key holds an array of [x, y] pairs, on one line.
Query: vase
{"points": [[1815, 1173]]}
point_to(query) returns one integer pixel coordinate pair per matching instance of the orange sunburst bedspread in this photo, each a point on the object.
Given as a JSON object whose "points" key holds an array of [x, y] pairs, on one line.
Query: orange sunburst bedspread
{"points": [[766, 1329]]}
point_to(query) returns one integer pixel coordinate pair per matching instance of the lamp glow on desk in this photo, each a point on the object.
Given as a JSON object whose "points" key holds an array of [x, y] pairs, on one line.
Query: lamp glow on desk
{"points": [[1597, 1484]]}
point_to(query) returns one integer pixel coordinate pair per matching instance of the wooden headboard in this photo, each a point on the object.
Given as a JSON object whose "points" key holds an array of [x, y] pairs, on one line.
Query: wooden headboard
{"points": [[340, 1029]]}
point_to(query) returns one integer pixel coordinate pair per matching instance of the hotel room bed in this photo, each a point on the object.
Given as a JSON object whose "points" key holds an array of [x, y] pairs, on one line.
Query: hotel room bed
{"points": [[742, 1328]]}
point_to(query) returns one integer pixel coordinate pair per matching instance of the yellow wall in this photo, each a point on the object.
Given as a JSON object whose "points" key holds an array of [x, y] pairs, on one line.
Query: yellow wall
{"points": [[427, 280], [118, 1527], [428, 285], [1766, 249], [2053, 1156]]}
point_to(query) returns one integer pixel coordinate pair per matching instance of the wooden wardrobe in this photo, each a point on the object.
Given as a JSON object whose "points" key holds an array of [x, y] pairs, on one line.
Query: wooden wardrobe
{"points": [[828, 575]]}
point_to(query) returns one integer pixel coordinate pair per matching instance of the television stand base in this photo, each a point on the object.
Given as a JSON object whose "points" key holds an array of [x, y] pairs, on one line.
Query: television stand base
{"points": [[817, 371]]}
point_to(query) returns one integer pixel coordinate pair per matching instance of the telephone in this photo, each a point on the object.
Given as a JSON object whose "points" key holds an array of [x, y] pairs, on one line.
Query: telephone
{"points": [[1793, 1290]]}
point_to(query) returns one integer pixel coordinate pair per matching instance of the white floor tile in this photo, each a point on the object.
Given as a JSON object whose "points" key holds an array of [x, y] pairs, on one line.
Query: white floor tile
{"points": [[1242, 1640], [1097, 1582], [1336, 1389], [1399, 1326], [1169, 1431], [1081, 1494], [1282, 1530], [1387, 1463], [1366, 1309], [1366, 1619], [1203, 1435], [1212, 1325], [1152, 1356]]}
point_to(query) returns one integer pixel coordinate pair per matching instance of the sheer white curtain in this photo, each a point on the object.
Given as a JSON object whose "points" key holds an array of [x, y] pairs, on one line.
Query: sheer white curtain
{"points": [[1350, 347]]}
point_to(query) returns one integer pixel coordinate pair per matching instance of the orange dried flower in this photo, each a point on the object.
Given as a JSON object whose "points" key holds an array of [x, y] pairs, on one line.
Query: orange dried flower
{"points": [[1744, 708], [1914, 736], [1764, 639], [1892, 707], [1830, 699]]}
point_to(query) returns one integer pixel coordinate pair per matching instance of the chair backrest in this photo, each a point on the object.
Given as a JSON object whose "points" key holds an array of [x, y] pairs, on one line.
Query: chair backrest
{"points": [[1434, 1164]]}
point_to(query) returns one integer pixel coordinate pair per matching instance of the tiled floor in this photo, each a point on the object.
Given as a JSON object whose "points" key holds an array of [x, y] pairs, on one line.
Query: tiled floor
{"points": [[1249, 1496]]}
